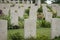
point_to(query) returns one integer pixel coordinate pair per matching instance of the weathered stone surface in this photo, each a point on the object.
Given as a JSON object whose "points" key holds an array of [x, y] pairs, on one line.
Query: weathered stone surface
{"points": [[39, 3], [5, 8], [55, 27], [14, 16], [33, 12], [3, 30], [21, 12], [30, 28], [48, 16], [58, 10], [45, 10]]}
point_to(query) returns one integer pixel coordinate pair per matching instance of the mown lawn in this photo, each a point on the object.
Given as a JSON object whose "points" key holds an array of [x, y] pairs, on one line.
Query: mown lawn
{"points": [[40, 32]]}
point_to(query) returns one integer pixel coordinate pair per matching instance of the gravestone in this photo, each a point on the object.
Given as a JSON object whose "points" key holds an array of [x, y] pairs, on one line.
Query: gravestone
{"points": [[45, 10], [39, 3], [30, 28], [14, 16], [26, 6], [48, 16], [26, 28], [3, 30], [33, 12], [58, 10], [21, 12], [5, 8], [55, 28]]}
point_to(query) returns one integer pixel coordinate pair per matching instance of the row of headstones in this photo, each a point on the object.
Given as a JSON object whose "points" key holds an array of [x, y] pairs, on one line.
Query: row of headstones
{"points": [[13, 7], [55, 22], [29, 24], [15, 11], [32, 14], [5, 7], [13, 1], [48, 15], [31, 31], [30, 27]]}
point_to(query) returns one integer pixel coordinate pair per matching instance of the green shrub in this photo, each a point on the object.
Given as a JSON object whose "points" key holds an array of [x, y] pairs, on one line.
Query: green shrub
{"points": [[9, 21], [16, 36], [10, 26], [21, 22], [26, 15], [38, 23], [45, 24], [40, 10], [27, 11], [14, 26]]}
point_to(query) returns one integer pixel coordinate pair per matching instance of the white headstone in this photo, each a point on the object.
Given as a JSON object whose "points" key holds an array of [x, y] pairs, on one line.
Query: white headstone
{"points": [[39, 3], [33, 12], [14, 16], [26, 29], [3, 30], [58, 10], [45, 10], [48, 16], [5, 8], [30, 28], [55, 28], [21, 12]]}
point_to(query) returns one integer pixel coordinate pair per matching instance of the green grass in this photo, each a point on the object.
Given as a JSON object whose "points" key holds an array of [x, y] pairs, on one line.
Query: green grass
{"points": [[40, 32], [43, 31], [11, 32]]}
